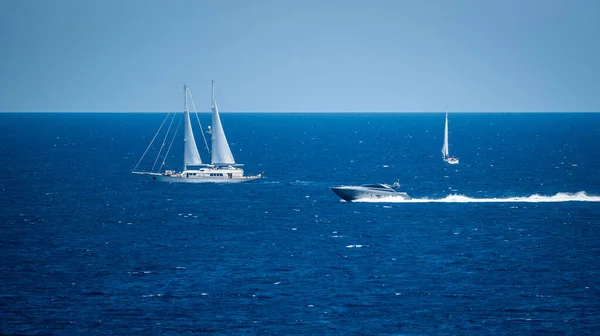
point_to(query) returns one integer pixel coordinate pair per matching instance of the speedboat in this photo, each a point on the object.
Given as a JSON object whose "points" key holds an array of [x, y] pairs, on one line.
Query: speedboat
{"points": [[368, 191]]}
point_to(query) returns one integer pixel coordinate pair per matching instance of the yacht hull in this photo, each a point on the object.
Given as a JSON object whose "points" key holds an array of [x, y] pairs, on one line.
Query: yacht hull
{"points": [[202, 176], [183, 179], [451, 160], [350, 194]]}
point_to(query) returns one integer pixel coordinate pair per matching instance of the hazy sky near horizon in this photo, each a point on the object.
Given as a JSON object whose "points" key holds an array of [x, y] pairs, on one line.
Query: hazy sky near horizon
{"points": [[301, 55]]}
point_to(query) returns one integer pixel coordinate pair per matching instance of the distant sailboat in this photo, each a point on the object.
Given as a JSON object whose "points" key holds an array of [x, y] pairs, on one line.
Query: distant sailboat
{"points": [[445, 152], [222, 169]]}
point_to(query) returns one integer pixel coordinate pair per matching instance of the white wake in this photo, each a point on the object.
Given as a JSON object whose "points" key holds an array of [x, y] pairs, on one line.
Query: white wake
{"points": [[559, 197]]}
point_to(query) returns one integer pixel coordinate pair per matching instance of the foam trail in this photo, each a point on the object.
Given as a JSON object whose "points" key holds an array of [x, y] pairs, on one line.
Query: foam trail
{"points": [[580, 196]]}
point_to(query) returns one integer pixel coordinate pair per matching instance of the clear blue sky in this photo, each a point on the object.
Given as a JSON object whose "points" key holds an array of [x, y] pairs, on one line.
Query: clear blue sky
{"points": [[300, 55]]}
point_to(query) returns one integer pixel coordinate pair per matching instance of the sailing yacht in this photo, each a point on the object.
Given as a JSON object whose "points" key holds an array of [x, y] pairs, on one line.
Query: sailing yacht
{"points": [[222, 169], [445, 152]]}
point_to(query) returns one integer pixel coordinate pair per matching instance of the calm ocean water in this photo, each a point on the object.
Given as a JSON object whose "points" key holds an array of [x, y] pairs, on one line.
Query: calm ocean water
{"points": [[507, 242]]}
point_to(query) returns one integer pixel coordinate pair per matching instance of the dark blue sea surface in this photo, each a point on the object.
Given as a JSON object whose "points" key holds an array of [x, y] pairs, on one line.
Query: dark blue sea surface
{"points": [[507, 242]]}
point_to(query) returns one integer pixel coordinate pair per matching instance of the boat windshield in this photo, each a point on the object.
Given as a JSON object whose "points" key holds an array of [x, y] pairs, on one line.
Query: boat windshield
{"points": [[377, 186]]}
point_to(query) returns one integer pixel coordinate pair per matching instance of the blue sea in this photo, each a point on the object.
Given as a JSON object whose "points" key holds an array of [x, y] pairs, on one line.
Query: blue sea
{"points": [[505, 243]]}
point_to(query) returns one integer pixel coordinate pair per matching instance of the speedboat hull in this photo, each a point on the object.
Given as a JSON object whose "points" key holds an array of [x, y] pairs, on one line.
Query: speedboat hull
{"points": [[351, 193]]}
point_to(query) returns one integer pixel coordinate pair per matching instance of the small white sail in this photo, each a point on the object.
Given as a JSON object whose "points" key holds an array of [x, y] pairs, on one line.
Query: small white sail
{"points": [[221, 153], [445, 152], [191, 156]]}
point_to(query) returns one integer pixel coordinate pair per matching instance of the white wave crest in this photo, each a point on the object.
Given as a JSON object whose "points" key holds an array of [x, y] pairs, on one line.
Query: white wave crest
{"points": [[580, 196]]}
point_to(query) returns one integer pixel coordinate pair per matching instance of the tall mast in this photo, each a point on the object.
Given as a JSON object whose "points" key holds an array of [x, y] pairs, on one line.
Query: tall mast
{"points": [[185, 116], [447, 145], [185, 98], [212, 102], [446, 112]]}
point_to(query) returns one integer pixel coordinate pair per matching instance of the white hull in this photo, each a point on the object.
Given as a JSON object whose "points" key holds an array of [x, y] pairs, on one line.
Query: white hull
{"points": [[451, 160], [203, 175], [182, 179]]}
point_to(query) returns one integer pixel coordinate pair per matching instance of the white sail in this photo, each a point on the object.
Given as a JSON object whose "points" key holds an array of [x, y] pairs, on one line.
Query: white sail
{"points": [[191, 156], [221, 153], [445, 152]]}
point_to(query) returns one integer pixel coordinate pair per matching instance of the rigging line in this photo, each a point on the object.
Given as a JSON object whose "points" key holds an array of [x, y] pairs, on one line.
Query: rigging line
{"points": [[171, 144], [151, 142], [164, 141], [197, 118]]}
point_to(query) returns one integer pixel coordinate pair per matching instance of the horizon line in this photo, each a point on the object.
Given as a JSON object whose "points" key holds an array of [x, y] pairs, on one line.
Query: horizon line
{"points": [[300, 112]]}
